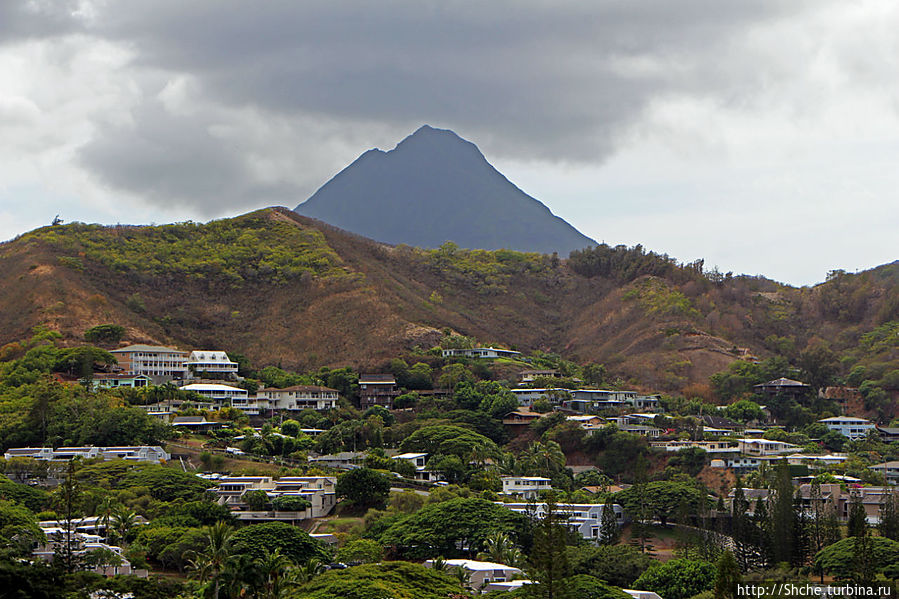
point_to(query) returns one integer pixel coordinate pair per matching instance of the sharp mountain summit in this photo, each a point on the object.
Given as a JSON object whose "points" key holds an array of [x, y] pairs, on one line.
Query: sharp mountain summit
{"points": [[436, 187]]}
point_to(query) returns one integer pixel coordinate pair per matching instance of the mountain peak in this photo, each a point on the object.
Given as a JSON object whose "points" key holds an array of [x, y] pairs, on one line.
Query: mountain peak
{"points": [[435, 186]]}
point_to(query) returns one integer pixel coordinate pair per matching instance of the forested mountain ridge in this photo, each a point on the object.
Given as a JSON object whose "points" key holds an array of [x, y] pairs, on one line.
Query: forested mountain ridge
{"points": [[285, 289]]}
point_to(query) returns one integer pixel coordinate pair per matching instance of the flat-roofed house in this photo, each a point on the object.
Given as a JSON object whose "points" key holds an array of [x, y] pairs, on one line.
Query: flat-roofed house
{"points": [[849, 426], [480, 573]]}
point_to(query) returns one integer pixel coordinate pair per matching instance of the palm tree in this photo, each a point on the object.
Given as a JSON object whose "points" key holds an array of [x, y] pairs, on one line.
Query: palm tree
{"points": [[306, 572], [499, 548], [104, 513], [463, 576], [214, 560], [544, 459], [272, 569], [123, 520]]}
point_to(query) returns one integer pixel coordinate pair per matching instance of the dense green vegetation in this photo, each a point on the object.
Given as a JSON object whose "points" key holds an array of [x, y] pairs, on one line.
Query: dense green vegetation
{"points": [[236, 251]]}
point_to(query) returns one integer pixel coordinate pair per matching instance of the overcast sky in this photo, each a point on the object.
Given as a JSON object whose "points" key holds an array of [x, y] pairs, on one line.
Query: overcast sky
{"points": [[761, 136]]}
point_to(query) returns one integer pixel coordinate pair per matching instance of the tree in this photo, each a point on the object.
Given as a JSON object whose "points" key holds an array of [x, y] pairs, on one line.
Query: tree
{"points": [[858, 521], [363, 486], [783, 515], [388, 579], [291, 428], [819, 365], [548, 561], [68, 500], [453, 527], [212, 561], [678, 578], [290, 503], [727, 576], [619, 565], [296, 544], [499, 549], [447, 440], [889, 516], [365, 551], [840, 560], [256, 499], [661, 499], [123, 521], [543, 459], [609, 533], [105, 333], [18, 529]]}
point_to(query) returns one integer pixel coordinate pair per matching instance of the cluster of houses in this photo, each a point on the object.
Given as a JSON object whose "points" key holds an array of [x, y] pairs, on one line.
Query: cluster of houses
{"points": [[87, 539], [153, 454]]}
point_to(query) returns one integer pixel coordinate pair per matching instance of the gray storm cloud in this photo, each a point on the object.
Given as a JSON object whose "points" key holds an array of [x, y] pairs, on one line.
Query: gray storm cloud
{"points": [[527, 80]]}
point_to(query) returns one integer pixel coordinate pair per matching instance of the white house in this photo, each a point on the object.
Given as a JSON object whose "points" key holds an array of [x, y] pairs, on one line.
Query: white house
{"points": [[212, 362], [419, 460], [848, 426], [298, 398], [217, 392], [155, 361], [584, 518], [480, 352], [482, 573], [765, 447], [526, 397], [319, 491], [137, 453], [526, 486]]}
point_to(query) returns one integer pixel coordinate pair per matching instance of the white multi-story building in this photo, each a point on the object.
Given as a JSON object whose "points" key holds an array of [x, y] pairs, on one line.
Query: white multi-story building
{"points": [[139, 453], [585, 518], [765, 447], [319, 491], [157, 362], [848, 426], [213, 362], [298, 397], [419, 460], [528, 487]]}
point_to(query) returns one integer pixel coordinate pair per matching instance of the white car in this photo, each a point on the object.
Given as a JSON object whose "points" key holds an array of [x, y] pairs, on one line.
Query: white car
{"points": [[234, 451]]}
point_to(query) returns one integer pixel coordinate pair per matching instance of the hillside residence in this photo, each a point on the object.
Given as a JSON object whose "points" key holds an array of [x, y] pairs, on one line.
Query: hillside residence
{"points": [[528, 376], [214, 363], [418, 460], [482, 573], [765, 447], [143, 453], [196, 423], [521, 417], [525, 486], [643, 430], [298, 398], [816, 461], [317, 490], [711, 447], [783, 386], [56, 538], [345, 460], [104, 380], [711, 422], [490, 353], [583, 518], [160, 363], [890, 471], [587, 421], [642, 594], [217, 392], [527, 397], [848, 426], [377, 390], [832, 494], [888, 433]]}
